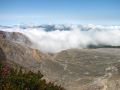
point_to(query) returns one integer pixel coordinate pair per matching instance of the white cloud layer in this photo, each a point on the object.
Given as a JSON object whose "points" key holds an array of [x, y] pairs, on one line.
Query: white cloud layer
{"points": [[54, 38]]}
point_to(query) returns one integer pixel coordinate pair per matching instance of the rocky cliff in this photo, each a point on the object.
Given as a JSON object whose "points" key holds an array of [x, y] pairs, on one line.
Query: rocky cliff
{"points": [[13, 51]]}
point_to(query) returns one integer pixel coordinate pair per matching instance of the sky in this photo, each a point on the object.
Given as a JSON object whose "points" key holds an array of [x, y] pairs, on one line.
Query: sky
{"points": [[14, 12]]}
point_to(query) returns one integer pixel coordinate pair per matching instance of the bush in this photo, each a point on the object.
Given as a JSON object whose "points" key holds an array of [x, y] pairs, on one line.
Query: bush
{"points": [[16, 79]]}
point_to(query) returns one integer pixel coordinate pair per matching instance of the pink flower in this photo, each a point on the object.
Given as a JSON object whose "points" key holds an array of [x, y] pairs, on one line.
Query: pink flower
{"points": [[5, 70]]}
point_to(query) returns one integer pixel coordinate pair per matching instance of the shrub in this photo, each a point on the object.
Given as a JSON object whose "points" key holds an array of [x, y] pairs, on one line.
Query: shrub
{"points": [[16, 79]]}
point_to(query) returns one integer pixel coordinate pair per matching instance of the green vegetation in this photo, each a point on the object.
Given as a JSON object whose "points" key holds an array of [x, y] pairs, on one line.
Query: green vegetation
{"points": [[17, 79], [102, 46]]}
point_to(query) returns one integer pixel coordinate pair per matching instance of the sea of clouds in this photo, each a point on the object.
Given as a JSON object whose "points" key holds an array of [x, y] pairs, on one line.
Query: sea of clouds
{"points": [[55, 38]]}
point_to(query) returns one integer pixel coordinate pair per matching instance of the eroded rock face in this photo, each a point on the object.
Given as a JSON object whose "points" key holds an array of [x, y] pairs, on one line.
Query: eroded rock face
{"points": [[18, 38], [85, 69], [20, 54]]}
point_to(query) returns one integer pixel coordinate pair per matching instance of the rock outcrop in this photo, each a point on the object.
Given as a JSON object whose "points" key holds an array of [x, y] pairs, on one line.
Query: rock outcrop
{"points": [[20, 54], [18, 38]]}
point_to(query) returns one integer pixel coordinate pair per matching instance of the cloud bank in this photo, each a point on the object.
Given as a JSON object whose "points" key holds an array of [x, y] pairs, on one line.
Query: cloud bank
{"points": [[54, 38]]}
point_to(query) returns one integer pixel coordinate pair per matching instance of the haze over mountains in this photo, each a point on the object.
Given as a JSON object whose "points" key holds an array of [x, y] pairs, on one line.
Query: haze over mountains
{"points": [[73, 69], [55, 38], [78, 57], [73, 43]]}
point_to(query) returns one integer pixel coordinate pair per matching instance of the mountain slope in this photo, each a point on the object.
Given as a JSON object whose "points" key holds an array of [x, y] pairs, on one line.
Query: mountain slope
{"points": [[85, 69], [74, 69], [20, 54]]}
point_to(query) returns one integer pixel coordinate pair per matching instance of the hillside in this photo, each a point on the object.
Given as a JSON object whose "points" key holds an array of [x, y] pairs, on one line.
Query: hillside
{"points": [[74, 69], [15, 52], [85, 69]]}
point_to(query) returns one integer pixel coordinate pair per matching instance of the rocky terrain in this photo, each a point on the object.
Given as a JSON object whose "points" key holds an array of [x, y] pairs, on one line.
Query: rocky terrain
{"points": [[13, 51], [74, 69], [85, 69]]}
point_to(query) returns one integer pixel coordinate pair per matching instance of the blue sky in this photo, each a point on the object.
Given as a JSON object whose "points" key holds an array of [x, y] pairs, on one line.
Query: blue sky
{"points": [[59, 12]]}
